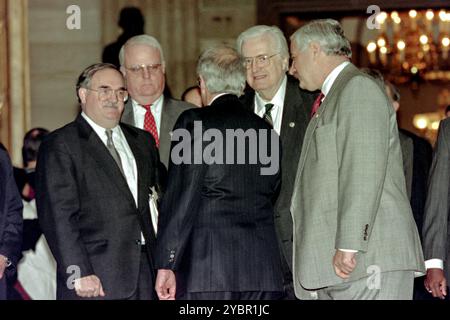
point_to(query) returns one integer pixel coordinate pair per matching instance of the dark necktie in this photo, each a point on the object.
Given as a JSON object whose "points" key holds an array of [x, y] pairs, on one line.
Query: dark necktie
{"points": [[112, 149], [317, 104], [150, 123], [268, 115]]}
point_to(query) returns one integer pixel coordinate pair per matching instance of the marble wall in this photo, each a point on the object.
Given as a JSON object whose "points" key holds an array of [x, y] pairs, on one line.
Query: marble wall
{"points": [[58, 54]]}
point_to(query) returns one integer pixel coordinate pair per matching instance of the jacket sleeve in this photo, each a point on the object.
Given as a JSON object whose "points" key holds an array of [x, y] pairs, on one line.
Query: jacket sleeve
{"points": [[11, 237], [363, 126], [180, 202], [58, 205], [435, 223]]}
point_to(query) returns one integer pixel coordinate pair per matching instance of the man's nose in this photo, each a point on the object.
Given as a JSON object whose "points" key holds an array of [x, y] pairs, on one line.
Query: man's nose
{"points": [[113, 96], [145, 73], [254, 65]]}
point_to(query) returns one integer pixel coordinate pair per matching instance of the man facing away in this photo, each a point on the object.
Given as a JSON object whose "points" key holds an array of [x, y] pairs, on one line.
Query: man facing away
{"points": [[10, 223], [435, 233], [276, 97], [94, 180], [216, 237], [143, 66], [354, 233]]}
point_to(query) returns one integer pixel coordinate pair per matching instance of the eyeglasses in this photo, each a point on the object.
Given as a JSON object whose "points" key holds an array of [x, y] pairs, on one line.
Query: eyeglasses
{"points": [[105, 93], [150, 68], [261, 60]]}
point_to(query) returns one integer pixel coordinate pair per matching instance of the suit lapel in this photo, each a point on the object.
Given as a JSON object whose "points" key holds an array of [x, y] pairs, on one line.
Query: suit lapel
{"points": [[329, 101], [128, 114], [97, 150], [142, 169], [143, 177], [293, 110]]}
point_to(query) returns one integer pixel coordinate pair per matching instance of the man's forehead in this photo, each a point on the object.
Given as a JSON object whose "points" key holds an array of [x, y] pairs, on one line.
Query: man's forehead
{"points": [[108, 77], [140, 51], [262, 44]]}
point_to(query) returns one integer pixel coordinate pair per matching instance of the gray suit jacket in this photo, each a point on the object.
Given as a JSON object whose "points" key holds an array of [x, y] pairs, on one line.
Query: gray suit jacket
{"points": [[170, 112], [356, 193], [436, 233]]}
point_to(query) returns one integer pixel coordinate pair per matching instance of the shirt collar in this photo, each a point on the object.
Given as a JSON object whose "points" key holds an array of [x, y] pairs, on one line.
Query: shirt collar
{"points": [[156, 105], [277, 100], [99, 129], [219, 95], [328, 83]]}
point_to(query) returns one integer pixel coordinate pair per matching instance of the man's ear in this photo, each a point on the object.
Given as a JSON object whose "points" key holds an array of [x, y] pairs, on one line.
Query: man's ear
{"points": [[201, 83], [123, 70], [396, 105], [285, 64], [82, 94], [315, 48]]}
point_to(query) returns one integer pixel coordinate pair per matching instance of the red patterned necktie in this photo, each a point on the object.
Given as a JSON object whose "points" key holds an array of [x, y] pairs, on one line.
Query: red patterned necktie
{"points": [[317, 104], [150, 123]]}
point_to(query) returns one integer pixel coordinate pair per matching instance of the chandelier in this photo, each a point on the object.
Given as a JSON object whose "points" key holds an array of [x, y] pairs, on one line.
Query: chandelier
{"points": [[412, 45]]}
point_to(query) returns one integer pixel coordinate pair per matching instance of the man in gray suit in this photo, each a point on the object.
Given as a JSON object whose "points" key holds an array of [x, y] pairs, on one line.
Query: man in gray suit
{"points": [[143, 66], [266, 58], [435, 233], [354, 233]]}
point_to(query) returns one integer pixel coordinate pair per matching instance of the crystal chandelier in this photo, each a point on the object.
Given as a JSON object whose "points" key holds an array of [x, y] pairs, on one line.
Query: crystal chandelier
{"points": [[412, 45]]}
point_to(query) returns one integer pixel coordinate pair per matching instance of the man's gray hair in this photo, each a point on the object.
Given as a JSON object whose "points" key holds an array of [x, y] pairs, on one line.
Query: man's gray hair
{"points": [[85, 78], [222, 70], [277, 36], [328, 33], [143, 39]]}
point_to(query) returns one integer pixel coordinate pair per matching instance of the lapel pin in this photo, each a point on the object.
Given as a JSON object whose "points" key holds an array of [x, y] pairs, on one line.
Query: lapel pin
{"points": [[291, 124]]}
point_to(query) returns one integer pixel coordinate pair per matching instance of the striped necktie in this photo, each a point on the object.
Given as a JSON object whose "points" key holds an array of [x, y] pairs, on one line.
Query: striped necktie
{"points": [[268, 115]]}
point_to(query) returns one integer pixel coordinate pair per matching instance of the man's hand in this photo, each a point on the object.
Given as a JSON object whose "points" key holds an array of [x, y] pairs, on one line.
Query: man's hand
{"points": [[165, 285], [435, 283], [344, 263], [3, 261], [89, 287]]}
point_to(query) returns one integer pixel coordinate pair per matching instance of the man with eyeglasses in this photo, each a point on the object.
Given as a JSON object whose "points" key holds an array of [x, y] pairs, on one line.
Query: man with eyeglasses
{"points": [[277, 98], [143, 66], [94, 177]]}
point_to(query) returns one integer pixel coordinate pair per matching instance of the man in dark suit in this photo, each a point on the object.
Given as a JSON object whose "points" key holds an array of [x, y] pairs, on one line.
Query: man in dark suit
{"points": [[435, 233], [216, 227], [10, 223], [143, 66], [265, 52], [94, 177]]}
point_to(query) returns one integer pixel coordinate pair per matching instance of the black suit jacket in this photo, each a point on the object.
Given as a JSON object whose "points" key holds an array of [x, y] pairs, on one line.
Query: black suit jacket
{"points": [[87, 211], [295, 119], [422, 156], [216, 227], [10, 219]]}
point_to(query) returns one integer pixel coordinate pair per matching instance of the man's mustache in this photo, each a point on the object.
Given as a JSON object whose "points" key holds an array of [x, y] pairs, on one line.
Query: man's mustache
{"points": [[111, 105]]}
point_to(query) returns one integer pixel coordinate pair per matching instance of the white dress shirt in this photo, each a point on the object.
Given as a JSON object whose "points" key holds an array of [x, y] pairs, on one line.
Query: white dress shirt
{"points": [[126, 156], [278, 105], [434, 264], [139, 113]]}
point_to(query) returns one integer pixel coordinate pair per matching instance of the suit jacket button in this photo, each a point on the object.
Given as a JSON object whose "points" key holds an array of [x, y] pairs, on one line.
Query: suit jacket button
{"points": [[138, 242]]}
